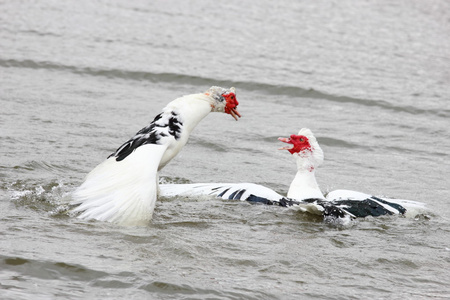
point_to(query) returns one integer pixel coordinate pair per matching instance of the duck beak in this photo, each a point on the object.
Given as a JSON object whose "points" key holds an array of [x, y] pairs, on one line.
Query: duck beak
{"points": [[285, 140], [230, 108], [234, 113]]}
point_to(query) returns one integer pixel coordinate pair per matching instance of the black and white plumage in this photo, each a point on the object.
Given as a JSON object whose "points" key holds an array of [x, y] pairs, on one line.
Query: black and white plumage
{"points": [[304, 194], [123, 189], [162, 126]]}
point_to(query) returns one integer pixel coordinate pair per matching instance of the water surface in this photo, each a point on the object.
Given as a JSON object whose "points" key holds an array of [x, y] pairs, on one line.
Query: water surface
{"points": [[370, 78]]}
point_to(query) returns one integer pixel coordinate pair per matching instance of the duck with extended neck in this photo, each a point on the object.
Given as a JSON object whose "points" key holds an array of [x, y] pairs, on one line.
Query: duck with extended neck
{"points": [[123, 189]]}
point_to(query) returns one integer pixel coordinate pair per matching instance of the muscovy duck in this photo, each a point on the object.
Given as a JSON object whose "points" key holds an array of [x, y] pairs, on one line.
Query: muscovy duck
{"points": [[338, 206], [123, 189]]}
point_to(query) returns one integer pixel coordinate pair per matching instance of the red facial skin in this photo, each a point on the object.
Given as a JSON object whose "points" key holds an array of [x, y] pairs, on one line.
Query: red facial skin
{"points": [[299, 142], [232, 103]]}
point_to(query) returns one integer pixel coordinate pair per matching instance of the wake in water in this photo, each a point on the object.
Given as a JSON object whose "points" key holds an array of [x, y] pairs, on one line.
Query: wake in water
{"points": [[53, 198]]}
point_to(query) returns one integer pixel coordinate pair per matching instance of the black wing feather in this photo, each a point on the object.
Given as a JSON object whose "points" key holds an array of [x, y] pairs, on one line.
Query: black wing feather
{"points": [[163, 125]]}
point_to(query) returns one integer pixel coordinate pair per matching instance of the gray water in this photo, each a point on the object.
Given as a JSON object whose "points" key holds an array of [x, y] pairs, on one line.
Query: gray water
{"points": [[369, 78]]}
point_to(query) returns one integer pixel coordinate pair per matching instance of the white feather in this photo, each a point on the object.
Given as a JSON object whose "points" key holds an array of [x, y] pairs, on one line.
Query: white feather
{"points": [[122, 192], [234, 191], [226, 190], [346, 194]]}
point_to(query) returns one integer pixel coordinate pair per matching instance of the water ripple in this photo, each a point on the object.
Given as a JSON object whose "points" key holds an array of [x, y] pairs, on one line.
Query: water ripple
{"points": [[48, 269], [272, 89]]}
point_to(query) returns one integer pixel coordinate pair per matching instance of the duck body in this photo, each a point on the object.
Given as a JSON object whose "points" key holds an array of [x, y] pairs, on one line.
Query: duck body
{"points": [[304, 194], [123, 189]]}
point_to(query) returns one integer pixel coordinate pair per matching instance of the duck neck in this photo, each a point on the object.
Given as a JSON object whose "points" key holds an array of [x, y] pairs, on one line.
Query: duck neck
{"points": [[192, 109], [304, 185]]}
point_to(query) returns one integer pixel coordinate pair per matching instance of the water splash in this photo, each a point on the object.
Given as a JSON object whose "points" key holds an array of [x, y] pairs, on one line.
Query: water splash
{"points": [[51, 197]]}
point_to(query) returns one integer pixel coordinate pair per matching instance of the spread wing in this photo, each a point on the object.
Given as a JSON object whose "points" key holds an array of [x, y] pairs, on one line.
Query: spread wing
{"points": [[122, 192], [255, 193], [362, 205]]}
